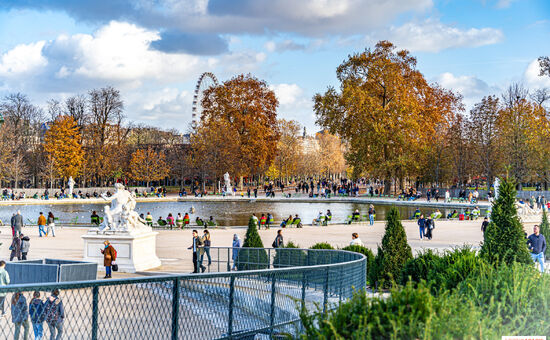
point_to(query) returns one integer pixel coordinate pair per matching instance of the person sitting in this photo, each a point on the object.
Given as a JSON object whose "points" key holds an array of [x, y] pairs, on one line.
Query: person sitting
{"points": [[436, 214], [329, 215], [263, 221], [211, 222], [286, 222], [161, 222], [454, 214], [199, 222], [475, 213], [149, 219], [417, 214], [356, 216], [319, 219], [95, 218], [297, 221]]}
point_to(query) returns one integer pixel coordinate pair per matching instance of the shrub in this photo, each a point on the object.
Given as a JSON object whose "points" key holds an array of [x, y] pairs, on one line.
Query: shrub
{"points": [[368, 254], [545, 230], [394, 252], [251, 259], [401, 316], [287, 256], [444, 271], [504, 238], [321, 245]]}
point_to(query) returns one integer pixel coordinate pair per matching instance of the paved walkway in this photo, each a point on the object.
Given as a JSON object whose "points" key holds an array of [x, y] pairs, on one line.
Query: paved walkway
{"points": [[172, 244]]}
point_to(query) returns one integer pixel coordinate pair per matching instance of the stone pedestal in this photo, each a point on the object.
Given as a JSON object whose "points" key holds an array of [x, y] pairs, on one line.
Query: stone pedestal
{"points": [[135, 251]]}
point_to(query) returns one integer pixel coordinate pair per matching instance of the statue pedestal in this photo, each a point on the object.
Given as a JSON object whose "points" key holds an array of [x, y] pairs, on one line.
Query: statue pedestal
{"points": [[135, 251]]}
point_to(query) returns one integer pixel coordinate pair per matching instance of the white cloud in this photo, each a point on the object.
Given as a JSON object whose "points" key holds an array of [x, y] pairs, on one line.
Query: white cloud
{"points": [[531, 76], [434, 36], [470, 87], [118, 54], [501, 4], [22, 59]]}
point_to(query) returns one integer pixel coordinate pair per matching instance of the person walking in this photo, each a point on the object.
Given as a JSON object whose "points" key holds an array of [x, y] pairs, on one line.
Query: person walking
{"points": [[196, 247], [429, 226], [206, 247], [537, 245], [25, 246], [41, 224], [484, 226], [4, 281], [51, 224], [36, 310], [421, 226], [236, 246], [109, 256], [18, 223], [20, 315], [13, 225], [372, 213], [278, 242], [355, 240], [15, 248], [54, 315]]}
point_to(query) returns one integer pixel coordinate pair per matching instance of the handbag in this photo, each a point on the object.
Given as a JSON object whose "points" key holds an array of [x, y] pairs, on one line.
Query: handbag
{"points": [[114, 266]]}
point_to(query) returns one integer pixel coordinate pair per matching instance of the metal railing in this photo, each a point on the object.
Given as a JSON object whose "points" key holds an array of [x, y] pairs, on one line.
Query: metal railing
{"points": [[263, 296]]}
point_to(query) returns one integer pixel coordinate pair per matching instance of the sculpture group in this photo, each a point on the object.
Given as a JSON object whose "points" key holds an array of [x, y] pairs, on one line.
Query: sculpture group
{"points": [[121, 215]]}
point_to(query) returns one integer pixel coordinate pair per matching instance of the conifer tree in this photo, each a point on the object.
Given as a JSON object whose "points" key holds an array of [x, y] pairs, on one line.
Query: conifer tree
{"points": [[394, 252], [545, 230], [505, 238], [252, 259]]}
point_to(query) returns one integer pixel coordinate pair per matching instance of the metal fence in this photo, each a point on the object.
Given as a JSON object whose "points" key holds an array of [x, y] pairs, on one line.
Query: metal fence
{"points": [[239, 304], [50, 270]]}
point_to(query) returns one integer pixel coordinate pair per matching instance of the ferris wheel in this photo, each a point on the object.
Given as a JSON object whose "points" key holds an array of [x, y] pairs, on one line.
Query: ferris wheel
{"points": [[206, 80]]}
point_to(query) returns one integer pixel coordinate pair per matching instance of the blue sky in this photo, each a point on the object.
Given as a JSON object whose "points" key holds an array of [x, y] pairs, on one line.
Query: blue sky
{"points": [[154, 51]]}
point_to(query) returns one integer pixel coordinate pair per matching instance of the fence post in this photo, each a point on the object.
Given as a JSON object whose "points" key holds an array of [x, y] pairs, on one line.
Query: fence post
{"points": [[269, 258], [229, 253], [325, 297], [175, 308], [272, 314], [95, 301], [231, 301]]}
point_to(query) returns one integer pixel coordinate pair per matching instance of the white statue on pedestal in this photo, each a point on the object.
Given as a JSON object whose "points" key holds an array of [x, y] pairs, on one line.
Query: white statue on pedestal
{"points": [[120, 216], [227, 182], [71, 186]]}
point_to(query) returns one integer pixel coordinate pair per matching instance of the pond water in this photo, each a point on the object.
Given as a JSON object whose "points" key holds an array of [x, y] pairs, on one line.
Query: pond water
{"points": [[225, 213]]}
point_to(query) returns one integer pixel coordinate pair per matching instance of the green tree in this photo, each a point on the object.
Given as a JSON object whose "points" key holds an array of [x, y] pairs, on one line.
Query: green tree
{"points": [[256, 257], [394, 252], [545, 230], [504, 238]]}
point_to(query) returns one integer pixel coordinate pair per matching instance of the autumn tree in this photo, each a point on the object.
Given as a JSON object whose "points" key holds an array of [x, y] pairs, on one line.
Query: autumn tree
{"points": [[22, 124], [485, 136], [62, 143], [215, 149], [383, 111], [249, 109], [330, 154], [514, 124], [148, 165], [288, 151]]}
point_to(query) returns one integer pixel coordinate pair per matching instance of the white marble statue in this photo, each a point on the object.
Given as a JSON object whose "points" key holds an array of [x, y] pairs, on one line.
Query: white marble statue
{"points": [[71, 186], [121, 216], [227, 181]]}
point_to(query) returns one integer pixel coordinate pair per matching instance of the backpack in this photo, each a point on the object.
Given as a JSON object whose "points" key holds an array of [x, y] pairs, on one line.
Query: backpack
{"points": [[274, 244], [114, 251]]}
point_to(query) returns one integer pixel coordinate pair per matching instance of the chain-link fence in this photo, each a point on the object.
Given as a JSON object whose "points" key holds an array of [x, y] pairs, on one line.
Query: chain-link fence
{"points": [[261, 298]]}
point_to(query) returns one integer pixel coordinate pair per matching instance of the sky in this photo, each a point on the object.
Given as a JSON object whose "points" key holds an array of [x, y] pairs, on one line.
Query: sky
{"points": [[154, 51]]}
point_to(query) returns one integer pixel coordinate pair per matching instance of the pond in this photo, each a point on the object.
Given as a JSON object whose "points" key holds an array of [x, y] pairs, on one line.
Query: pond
{"points": [[225, 213]]}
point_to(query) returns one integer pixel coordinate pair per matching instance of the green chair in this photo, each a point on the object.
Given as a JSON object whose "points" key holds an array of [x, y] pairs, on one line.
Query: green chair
{"points": [[200, 223]]}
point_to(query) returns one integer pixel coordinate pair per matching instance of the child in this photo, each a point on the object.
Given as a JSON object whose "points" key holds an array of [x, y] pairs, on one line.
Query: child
{"points": [[36, 308]]}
